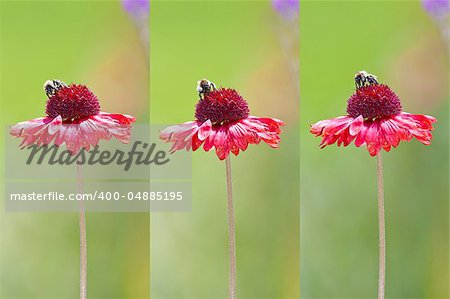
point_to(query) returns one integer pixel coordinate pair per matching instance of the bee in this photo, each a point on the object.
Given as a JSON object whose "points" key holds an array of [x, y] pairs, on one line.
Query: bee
{"points": [[363, 78], [52, 86], [204, 86]]}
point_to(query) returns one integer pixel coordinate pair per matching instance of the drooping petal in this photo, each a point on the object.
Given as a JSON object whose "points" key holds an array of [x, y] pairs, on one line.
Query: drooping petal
{"points": [[35, 131], [204, 130], [225, 138], [221, 142], [377, 134], [180, 135], [415, 125], [331, 129], [107, 124], [373, 138], [356, 126], [252, 130], [76, 135]]}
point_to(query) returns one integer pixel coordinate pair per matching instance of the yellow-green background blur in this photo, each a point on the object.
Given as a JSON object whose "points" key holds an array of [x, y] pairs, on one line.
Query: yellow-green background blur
{"points": [[305, 217], [235, 45], [88, 42], [397, 41]]}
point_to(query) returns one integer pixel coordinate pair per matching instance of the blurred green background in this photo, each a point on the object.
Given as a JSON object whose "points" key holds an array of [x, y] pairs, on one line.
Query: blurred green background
{"points": [[95, 43], [237, 44], [234, 44], [397, 41], [88, 42]]}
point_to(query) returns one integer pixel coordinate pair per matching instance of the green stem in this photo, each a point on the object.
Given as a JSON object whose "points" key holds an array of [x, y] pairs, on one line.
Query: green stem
{"points": [[83, 242], [231, 232], [381, 230]]}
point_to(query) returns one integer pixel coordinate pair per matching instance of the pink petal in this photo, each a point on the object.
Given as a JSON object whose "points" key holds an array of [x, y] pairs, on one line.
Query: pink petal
{"points": [[377, 134], [204, 130], [357, 125], [225, 138], [180, 135], [84, 133]]}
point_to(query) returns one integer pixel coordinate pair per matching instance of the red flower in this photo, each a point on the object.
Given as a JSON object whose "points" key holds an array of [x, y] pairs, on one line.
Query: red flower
{"points": [[223, 122], [74, 118], [375, 118]]}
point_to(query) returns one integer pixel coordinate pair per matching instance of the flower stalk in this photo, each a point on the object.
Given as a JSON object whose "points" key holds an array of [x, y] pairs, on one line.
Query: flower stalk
{"points": [[74, 118], [375, 118], [231, 233], [223, 122], [83, 240], [381, 230]]}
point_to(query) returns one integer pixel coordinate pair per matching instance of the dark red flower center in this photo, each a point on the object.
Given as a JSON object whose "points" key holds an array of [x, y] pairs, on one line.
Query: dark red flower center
{"points": [[221, 106], [73, 102], [374, 101]]}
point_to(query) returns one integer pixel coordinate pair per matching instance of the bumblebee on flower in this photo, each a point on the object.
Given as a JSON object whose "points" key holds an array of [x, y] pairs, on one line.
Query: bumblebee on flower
{"points": [[74, 118], [374, 118], [223, 122]]}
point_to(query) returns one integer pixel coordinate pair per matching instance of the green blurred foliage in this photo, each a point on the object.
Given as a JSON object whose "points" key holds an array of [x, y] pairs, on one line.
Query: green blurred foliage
{"points": [[88, 42], [234, 44], [339, 236]]}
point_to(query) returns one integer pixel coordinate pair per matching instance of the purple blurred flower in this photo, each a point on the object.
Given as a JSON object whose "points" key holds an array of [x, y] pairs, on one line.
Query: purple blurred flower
{"points": [[138, 9], [438, 9], [288, 9]]}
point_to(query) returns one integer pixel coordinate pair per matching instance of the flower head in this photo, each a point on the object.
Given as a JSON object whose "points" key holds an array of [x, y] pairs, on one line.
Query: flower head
{"points": [[73, 103], [438, 9], [222, 122], [221, 106], [74, 118], [137, 9], [375, 118], [288, 9], [374, 101]]}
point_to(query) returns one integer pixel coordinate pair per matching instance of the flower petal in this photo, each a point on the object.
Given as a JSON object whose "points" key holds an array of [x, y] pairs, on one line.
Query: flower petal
{"points": [[225, 138], [76, 135], [180, 135], [381, 133]]}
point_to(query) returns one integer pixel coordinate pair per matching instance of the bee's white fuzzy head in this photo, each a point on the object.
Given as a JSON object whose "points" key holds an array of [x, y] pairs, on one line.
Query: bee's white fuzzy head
{"points": [[361, 73], [52, 86]]}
